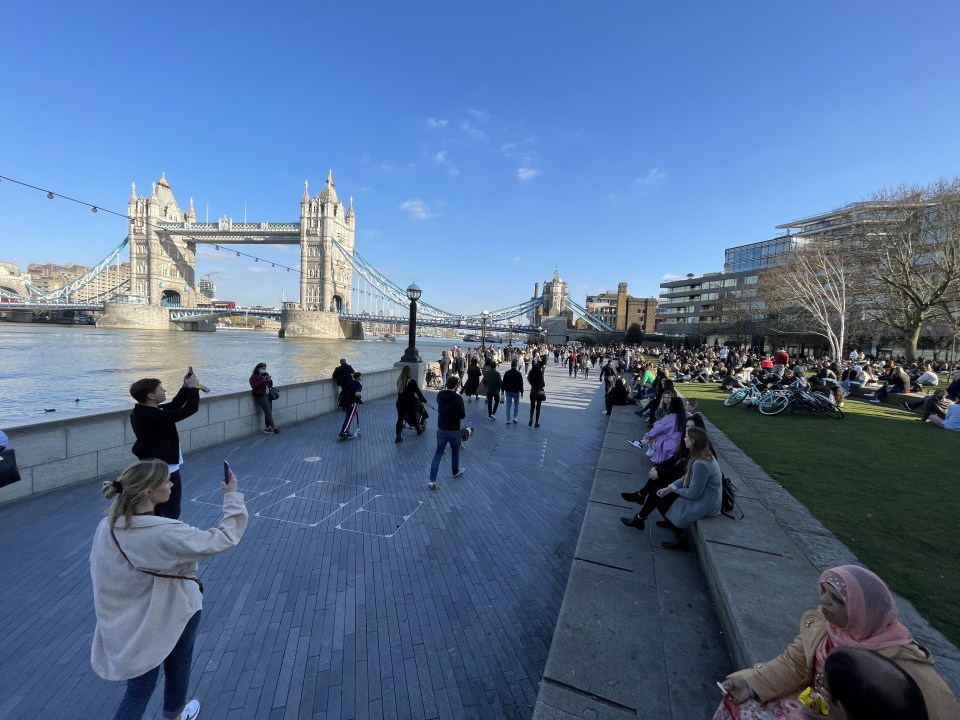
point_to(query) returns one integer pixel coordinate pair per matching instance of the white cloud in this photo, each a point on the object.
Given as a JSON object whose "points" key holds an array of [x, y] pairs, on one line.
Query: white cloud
{"points": [[526, 173], [474, 132], [669, 277], [258, 268], [481, 115], [434, 123], [441, 159], [507, 147], [416, 209], [653, 176], [517, 259]]}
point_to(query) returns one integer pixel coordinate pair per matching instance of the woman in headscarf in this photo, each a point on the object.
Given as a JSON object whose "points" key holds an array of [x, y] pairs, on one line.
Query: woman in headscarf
{"points": [[856, 610]]}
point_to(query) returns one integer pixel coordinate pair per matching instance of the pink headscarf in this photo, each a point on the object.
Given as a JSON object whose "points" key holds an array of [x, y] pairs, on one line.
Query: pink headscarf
{"points": [[871, 613]]}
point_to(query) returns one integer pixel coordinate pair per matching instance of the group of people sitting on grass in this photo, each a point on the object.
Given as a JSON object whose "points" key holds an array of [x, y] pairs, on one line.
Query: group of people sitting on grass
{"points": [[853, 658]]}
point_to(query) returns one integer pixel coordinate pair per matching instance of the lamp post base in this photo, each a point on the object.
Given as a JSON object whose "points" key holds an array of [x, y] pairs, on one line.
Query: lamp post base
{"points": [[411, 356]]}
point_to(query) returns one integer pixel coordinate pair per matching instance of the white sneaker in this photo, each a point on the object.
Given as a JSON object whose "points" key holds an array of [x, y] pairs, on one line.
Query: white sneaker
{"points": [[191, 711], [459, 472]]}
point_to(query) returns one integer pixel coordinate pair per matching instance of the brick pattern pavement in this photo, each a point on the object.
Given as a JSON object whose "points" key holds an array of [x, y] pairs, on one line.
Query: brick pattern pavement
{"points": [[355, 593]]}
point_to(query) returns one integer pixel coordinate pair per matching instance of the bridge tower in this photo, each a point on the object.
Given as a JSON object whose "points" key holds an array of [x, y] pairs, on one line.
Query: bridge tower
{"points": [[326, 276], [161, 265]]}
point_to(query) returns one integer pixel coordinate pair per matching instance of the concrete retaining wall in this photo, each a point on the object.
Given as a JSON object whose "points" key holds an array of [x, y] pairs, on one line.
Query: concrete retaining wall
{"points": [[56, 453]]}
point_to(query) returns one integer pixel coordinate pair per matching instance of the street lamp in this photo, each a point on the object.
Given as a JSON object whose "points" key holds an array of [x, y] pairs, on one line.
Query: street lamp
{"points": [[510, 333], [483, 329], [540, 338], [411, 355]]}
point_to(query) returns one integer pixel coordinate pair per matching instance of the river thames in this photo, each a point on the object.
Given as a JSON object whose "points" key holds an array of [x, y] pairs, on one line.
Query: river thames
{"points": [[52, 366]]}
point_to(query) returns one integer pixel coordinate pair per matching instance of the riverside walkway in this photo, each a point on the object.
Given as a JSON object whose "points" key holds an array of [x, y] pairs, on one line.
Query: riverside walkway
{"points": [[358, 593]]}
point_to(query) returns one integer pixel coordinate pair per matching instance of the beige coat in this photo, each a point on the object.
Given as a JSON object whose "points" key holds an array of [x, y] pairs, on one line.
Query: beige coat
{"points": [[140, 617], [792, 671]]}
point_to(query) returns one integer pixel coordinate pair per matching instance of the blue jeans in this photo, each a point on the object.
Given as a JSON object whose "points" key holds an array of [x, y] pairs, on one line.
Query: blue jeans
{"points": [[176, 671], [444, 437], [265, 403], [513, 401]]}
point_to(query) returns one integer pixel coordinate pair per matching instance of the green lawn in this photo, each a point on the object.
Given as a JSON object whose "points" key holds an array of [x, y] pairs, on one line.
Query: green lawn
{"points": [[887, 485]]}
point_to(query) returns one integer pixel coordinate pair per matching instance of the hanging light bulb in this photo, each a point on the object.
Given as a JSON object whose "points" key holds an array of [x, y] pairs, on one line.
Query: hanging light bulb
{"points": [[216, 247], [49, 196], [93, 209], [256, 259], [238, 254], [273, 265]]}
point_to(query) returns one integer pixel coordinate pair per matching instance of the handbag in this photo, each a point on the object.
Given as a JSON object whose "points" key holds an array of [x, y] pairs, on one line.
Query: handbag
{"points": [[541, 396], [9, 473], [274, 394]]}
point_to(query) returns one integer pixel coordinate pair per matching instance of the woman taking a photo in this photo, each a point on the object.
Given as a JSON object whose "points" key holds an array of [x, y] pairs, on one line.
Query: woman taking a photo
{"points": [[262, 387], [146, 592], [410, 401]]}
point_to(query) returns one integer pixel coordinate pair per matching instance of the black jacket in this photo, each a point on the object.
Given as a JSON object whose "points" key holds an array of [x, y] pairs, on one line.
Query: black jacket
{"points": [[156, 427], [342, 375], [450, 410], [512, 381]]}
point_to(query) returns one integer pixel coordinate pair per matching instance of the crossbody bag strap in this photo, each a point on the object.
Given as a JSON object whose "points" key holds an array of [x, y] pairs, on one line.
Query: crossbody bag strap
{"points": [[150, 572]]}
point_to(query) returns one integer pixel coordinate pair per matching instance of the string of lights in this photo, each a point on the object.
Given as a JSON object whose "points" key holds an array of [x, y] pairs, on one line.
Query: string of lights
{"points": [[99, 208]]}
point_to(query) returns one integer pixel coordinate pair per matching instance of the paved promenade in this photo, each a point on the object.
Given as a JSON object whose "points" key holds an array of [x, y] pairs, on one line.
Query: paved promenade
{"points": [[356, 592]]}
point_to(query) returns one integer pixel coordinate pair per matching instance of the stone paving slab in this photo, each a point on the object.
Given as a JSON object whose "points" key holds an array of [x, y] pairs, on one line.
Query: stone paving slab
{"points": [[613, 458], [607, 486], [355, 593], [606, 541], [596, 609]]}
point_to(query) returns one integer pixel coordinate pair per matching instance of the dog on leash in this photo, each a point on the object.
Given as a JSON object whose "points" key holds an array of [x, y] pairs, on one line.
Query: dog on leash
{"points": [[465, 434]]}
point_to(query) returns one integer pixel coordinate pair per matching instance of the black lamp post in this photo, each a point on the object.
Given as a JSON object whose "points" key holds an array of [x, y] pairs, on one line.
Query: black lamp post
{"points": [[510, 333], [483, 329], [411, 355]]}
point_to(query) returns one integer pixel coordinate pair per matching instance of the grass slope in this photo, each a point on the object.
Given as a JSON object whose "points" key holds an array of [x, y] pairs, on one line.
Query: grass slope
{"points": [[885, 484]]}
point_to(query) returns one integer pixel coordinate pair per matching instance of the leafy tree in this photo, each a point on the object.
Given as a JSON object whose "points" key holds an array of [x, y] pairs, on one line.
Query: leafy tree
{"points": [[634, 334]]}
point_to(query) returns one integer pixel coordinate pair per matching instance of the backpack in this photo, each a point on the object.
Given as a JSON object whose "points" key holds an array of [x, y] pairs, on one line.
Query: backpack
{"points": [[728, 501]]}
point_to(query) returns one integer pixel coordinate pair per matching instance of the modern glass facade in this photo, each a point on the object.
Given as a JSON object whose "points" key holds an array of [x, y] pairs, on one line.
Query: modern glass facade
{"points": [[759, 255]]}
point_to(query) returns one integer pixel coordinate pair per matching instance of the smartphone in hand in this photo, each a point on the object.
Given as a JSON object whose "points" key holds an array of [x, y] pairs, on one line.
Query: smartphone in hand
{"points": [[189, 372], [226, 472]]}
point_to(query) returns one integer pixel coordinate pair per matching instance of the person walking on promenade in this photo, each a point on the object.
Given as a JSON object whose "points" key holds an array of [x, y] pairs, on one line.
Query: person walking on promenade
{"points": [[262, 388], [350, 400], [450, 411], [493, 382], [154, 424], [146, 593], [535, 378], [473, 380], [608, 375], [445, 363], [513, 390], [343, 374], [409, 402], [459, 365]]}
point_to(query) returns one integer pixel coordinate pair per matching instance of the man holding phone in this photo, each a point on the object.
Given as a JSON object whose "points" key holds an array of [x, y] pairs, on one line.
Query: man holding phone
{"points": [[154, 422]]}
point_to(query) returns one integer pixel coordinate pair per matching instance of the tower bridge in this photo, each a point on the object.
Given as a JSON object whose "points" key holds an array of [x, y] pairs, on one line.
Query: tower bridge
{"points": [[340, 290]]}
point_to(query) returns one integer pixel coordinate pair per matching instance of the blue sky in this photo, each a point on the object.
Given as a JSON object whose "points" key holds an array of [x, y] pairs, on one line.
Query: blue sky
{"points": [[484, 142]]}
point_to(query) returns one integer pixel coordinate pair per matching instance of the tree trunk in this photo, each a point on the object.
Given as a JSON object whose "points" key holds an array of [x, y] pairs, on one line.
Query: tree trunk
{"points": [[911, 338]]}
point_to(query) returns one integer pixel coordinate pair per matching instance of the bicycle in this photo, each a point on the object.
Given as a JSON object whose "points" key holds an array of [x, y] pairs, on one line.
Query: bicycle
{"points": [[798, 397], [433, 379]]}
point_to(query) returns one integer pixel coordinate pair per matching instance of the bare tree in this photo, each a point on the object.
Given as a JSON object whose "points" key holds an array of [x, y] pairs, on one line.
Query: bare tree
{"points": [[814, 290], [909, 242]]}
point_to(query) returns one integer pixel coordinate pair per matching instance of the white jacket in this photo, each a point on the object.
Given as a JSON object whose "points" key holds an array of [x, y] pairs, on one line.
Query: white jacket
{"points": [[140, 617]]}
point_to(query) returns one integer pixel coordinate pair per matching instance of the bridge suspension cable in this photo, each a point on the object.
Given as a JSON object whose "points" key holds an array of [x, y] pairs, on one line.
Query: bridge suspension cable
{"points": [[591, 319], [78, 283]]}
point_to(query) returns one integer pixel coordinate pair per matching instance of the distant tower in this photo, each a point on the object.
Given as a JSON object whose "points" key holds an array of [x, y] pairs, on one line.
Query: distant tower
{"points": [[554, 296], [620, 323], [161, 265], [326, 276], [207, 288]]}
